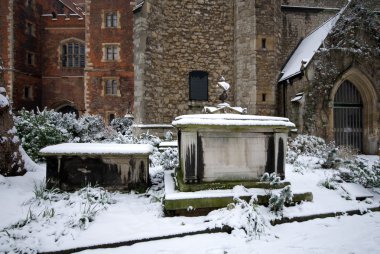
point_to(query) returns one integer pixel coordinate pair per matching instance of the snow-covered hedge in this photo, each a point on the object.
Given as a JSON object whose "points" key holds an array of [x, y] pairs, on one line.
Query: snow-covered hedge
{"points": [[47, 127], [307, 145]]}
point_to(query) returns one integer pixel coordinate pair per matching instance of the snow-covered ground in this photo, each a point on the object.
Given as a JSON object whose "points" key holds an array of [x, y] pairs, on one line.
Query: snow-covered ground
{"points": [[91, 217], [347, 234]]}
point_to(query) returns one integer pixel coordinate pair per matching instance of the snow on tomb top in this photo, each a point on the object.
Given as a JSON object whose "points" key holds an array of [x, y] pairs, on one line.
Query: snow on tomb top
{"points": [[232, 120], [96, 149], [307, 48]]}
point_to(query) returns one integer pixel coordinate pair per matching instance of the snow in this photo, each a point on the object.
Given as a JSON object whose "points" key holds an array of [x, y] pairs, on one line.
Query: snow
{"points": [[3, 101], [138, 216], [307, 48], [173, 143], [346, 234], [232, 120], [95, 148], [356, 191]]}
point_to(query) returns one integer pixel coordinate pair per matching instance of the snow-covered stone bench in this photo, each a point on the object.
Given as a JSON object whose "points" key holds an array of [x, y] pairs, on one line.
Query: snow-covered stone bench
{"points": [[71, 166]]}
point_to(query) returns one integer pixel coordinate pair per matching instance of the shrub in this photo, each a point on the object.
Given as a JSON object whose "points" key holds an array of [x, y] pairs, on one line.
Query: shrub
{"points": [[278, 201], [241, 215], [307, 145], [42, 129], [359, 171]]}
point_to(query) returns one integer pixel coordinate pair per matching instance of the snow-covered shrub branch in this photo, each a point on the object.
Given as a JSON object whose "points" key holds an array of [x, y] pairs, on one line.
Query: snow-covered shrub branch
{"points": [[277, 201], [358, 171], [61, 214], [241, 215]]}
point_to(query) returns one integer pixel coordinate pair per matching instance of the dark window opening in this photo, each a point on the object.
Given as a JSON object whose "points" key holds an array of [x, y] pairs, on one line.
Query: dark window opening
{"points": [[198, 85], [264, 97], [30, 58], [110, 118], [264, 43], [27, 92], [73, 54]]}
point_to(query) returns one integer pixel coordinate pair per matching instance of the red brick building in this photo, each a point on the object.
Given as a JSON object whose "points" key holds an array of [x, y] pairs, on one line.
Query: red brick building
{"points": [[68, 55]]}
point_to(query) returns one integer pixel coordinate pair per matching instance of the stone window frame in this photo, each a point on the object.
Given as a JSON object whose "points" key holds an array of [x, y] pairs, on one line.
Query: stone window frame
{"points": [[30, 28], [111, 81], [105, 14], [81, 56], [30, 58], [115, 54], [204, 96]]}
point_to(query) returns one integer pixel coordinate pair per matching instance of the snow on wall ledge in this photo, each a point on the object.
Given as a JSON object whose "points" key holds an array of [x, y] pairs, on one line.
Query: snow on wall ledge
{"points": [[96, 149], [232, 120]]}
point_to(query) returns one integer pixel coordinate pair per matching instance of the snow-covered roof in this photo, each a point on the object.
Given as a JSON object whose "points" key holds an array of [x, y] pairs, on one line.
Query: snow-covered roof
{"points": [[75, 6], [297, 98], [96, 149], [307, 48], [232, 120]]}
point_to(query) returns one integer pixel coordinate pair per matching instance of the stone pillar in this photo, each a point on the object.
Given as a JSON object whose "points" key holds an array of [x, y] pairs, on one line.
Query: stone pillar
{"points": [[140, 27], [245, 55]]}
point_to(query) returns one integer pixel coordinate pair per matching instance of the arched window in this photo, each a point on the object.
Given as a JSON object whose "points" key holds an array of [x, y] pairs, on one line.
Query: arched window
{"points": [[72, 54], [198, 85]]}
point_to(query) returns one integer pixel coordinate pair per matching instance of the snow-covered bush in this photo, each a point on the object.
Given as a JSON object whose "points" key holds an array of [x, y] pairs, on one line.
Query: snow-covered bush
{"points": [[146, 138], [90, 128], [272, 178], [358, 171], [122, 125], [47, 127], [307, 145], [241, 215], [42, 129], [278, 201], [329, 183], [169, 159]]}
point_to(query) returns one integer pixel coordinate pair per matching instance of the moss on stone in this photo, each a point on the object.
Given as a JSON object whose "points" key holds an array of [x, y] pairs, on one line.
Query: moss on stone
{"points": [[211, 203], [223, 185]]}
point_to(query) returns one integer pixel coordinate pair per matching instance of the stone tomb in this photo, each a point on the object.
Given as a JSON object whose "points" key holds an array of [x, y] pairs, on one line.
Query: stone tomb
{"points": [[231, 147], [113, 166]]}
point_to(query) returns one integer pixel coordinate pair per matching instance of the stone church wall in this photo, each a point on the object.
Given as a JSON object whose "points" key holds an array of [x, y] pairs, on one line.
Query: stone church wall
{"points": [[184, 36]]}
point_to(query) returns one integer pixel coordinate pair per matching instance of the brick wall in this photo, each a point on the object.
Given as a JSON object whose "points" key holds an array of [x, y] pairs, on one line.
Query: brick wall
{"points": [[23, 40], [97, 36], [61, 85], [4, 39]]}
